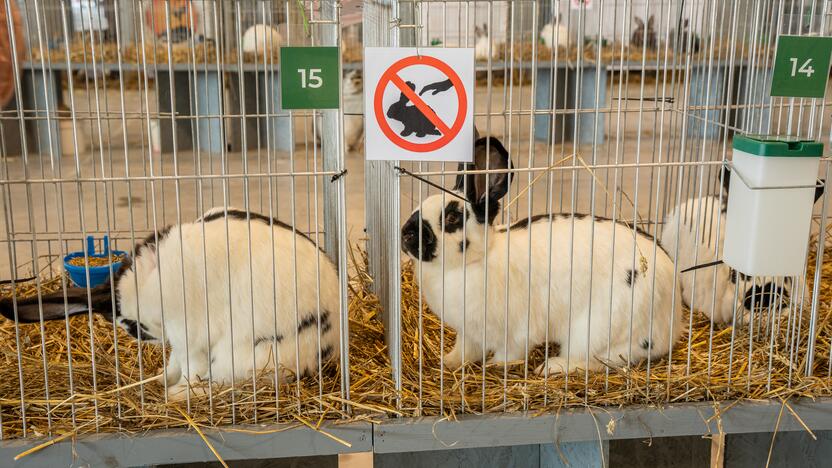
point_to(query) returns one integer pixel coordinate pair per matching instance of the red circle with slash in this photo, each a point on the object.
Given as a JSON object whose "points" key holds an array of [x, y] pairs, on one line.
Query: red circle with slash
{"points": [[448, 132]]}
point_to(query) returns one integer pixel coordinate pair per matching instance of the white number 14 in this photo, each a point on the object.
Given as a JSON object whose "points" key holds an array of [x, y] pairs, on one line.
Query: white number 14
{"points": [[805, 69], [314, 81]]}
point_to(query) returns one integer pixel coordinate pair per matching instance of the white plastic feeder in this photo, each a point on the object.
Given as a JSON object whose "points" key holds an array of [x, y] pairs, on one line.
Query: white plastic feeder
{"points": [[770, 203]]}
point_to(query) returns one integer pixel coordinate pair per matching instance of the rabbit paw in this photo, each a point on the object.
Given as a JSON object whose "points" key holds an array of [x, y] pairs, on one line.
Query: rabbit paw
{"points": [[453, 359], [555, 365], [179, 391]]}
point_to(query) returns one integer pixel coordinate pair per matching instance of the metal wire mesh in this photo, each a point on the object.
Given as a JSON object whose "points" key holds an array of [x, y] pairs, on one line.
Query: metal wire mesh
{"points": [[613, 113], [132, 117]]}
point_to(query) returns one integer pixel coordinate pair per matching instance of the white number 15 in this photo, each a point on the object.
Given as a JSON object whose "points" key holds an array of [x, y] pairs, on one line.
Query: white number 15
{"points": [[314, 80]]}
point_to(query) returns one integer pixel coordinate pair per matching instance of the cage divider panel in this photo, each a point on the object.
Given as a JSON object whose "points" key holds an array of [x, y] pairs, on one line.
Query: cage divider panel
{"points": [[587, 120], [181, 109], [42, 93], [208, 109]]}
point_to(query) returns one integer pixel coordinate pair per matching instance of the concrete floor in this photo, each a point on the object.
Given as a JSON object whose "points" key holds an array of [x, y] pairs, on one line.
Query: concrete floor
{"points": [[52, 212]]}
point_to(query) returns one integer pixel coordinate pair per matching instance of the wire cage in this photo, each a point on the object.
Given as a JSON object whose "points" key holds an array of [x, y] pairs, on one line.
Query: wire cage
{"points": [[605, 130], [615, 120], [187, 166]]}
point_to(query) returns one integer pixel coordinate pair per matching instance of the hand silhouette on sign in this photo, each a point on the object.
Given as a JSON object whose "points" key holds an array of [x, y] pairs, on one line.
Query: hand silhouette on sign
{"points": [[437, 87]]}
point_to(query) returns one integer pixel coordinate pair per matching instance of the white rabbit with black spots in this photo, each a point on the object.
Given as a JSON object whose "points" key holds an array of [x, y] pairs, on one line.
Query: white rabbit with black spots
{"points": [[267, 305], [452, 241], [718, 290]]}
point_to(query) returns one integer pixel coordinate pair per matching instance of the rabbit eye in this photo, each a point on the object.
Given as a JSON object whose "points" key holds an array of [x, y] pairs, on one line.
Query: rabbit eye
{"points": [[452, 217]]}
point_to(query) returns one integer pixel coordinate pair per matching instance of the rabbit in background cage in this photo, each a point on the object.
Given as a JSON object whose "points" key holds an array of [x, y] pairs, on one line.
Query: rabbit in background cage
{"points": [[260, 38], [686, 38], [555, 31], [277, 302], [353, 100], [642, 37], [718, 290], [591, 285], [353, 96], [84, 133], [482, 44]]}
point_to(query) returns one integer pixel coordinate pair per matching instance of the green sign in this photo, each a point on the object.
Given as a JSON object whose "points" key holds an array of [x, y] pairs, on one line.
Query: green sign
{"points": [[801, 67], [310, 78]]}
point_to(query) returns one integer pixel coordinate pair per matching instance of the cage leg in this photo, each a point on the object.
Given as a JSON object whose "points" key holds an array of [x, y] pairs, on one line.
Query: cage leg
{"points": [[42, 90], [243, 130], [592, 85], [278, 126], [179, 107], [707, 88], [11, 136], [208, 108], [543, 130]]}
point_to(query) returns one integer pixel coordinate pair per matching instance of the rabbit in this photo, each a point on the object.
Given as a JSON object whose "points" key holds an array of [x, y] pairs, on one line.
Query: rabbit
{"points": [[718, 297], [452, 242], [411, 117], [353, 103], [353, 97], [482, 43], [167, 291], [640, 37], [557, 32], [260, 38], [686, 37]]}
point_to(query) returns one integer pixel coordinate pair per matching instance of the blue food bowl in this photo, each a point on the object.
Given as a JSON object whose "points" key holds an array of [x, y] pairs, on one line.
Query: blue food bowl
{"points": [[98, 274]]}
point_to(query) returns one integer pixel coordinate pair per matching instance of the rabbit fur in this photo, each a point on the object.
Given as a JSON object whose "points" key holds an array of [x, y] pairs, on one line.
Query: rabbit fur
{"points": [[171, 290], [353, 103], [718, 290], [261, 37], [482, 43], [451, 242], [556, 31]]}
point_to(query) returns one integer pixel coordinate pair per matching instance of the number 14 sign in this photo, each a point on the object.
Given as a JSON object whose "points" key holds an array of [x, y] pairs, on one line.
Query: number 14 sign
{"points": [[801, 67]]}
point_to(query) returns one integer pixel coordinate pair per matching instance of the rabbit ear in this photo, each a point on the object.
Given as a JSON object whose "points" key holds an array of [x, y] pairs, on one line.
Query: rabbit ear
{"points": [[650, 22], [477, 32], [487, 189], [639, 22], [54, 307], [485, 29], [725, 177], [819, 190]]}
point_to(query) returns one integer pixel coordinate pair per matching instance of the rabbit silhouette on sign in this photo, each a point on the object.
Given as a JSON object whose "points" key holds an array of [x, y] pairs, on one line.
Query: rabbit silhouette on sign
{"points": [[411, 117]]}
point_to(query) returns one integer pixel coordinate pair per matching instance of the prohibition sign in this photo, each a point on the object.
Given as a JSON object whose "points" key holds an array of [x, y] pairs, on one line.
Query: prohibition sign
{"points": [[391, 76]]}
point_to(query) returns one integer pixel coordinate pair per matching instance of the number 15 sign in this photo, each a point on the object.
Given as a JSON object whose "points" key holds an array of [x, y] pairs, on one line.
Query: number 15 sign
{"points": [[801, 67], [309, 77]]}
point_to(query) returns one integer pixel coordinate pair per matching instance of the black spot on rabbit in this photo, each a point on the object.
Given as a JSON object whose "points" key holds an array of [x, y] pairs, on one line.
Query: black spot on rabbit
{"points": [[453, 217], [464, 245], [266, 339], [631, 277], [762, 297], [642, 37], [645, 344], [424, 247], [411, 117]]}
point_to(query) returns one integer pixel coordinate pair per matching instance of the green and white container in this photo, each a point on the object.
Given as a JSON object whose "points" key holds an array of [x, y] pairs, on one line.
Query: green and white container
{"points": [[770, 203]]}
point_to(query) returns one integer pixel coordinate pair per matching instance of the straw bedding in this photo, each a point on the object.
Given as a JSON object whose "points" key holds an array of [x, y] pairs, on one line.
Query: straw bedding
{"points": [[118, 404]]}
